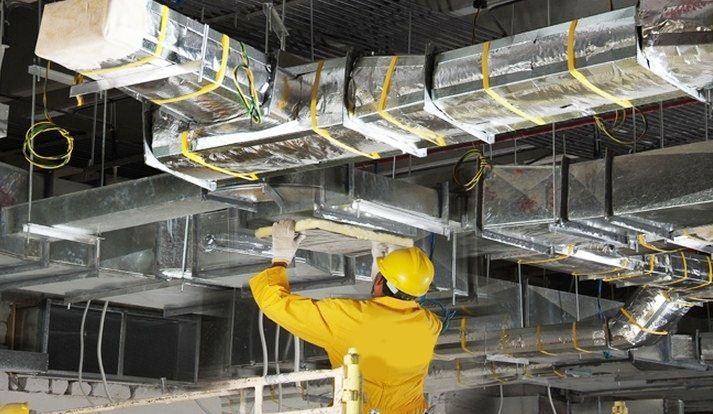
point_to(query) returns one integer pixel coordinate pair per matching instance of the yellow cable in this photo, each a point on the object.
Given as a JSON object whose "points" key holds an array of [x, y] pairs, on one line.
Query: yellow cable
{"points": [[575, 341], [485, 69], [420, 132], [219, 76], [634, 322], [186, 151], [571, 66], [323, 132], [570, 251], [140, 62], [641, 238], [538, 342], [710, 277]]}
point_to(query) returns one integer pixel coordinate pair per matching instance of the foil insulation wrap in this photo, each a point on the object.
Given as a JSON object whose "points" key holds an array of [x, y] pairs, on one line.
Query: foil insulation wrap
{"points": [[385, 101], [133, 32], [677, 42], [647, 310], [295, 145], [530, 72]]}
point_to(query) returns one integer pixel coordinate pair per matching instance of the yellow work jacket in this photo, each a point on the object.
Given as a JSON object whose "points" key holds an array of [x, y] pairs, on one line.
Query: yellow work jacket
{"points": [[395, 338]]}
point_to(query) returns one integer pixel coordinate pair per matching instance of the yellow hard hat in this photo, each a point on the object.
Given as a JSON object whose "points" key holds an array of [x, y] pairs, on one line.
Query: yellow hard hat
{"points": [[408, 270], [23, 408]]}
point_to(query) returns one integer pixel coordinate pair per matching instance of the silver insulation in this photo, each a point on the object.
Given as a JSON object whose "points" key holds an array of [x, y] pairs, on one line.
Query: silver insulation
{"points": [[677, 42], [653, 310], [530, 72], [184, 42], [404, 102]]}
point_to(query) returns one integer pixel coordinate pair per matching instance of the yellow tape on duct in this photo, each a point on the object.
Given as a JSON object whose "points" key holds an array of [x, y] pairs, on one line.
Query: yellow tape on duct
{"points": [[572, 68], [219, 76], [570, 251], [423, 133], [464, 337], [634, 322], [575, 341], [538, 342], [323, 132], [710, 277], [140, 62], [186, 151], [485, 69], [685, 272]]}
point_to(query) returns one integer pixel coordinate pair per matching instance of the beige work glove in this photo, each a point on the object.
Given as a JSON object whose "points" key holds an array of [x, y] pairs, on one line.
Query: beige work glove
{"points": [[285, 241]]}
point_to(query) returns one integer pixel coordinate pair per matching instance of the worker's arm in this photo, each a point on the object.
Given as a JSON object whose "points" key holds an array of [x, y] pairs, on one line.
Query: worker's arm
{"points": [[307, 318]]}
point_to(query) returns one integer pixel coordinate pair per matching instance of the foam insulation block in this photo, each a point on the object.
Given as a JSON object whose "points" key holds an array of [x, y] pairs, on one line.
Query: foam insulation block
{"points": [[336, 238], [80, 34]]}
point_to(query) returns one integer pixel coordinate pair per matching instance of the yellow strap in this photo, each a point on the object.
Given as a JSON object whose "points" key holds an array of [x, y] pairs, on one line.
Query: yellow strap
{"points": [[575, 341], [710, 277], [485, 69], [538, 342], [559, 374], [420, 132], [219, 76], [464, 337], [634, 322], [685, 272], [572, 67], [496, 376], [570, 251], [140, 62], [504, 341], [323, 132], [624, 276], [642, 242], [652, 263], [186, 151], [458, 372]]}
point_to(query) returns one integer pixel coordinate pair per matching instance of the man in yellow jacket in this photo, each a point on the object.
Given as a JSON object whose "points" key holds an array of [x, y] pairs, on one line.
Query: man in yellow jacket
{"points": [[394, 336]]}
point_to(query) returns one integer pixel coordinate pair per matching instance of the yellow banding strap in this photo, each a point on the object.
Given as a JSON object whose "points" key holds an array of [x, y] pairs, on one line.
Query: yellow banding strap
{"points": [[485, 69], [323, 132], [538, 342], [559, 374], [625, 276], [186, 151], [504, 341], [495, 375], [140, 62], [219, 76], [710, 277], [575, 341], [420, 132], [652, 263], [641, 238], [685, 272], [570, 251], [634, 322], [458, 372], [464, 337], [572, 68]]}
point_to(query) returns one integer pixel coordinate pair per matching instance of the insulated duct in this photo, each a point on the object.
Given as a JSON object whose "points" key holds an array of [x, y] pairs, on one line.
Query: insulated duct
{"points": [[293, 115]]}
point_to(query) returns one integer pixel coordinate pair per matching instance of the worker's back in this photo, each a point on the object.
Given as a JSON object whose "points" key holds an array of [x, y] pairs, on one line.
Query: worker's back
{"points": [[395, 340]]}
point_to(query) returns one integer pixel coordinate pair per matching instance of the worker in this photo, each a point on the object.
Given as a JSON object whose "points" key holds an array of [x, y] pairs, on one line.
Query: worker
{"points": [[394, 336]]}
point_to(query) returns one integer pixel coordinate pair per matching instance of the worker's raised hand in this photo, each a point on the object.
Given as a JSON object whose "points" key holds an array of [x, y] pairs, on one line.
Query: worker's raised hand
{"points": [[379, 249], [285, 241]]}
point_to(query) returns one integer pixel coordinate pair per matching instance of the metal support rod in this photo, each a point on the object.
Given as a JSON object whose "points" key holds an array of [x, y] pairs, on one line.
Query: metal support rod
{"points": [[554, 166], [576, 295], [453, 268], [521, 300], [103, 153]]}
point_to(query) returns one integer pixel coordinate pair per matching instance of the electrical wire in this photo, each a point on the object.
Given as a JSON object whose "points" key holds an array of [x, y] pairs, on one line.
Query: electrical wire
{"points": [[48, 162], [263, 342], [81, 351], [482, 166], [251, 103], [552, 403], [618, 122], [277, 366], [99, 351], [500, 408]]}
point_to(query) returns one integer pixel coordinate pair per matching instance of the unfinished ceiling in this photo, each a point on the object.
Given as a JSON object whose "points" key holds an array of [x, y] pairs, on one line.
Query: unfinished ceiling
{"points": [[577, 261]]}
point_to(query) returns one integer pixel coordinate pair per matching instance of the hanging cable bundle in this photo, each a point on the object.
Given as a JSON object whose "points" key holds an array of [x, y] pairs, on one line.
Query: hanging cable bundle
{"points": [[251, 103], [618, 122], [48, 162], [481, 167]]}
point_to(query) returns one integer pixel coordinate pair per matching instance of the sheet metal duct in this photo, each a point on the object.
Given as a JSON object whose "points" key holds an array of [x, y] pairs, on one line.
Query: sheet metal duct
{"points": [[524, 80], [112, 40], [677, 43]]}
